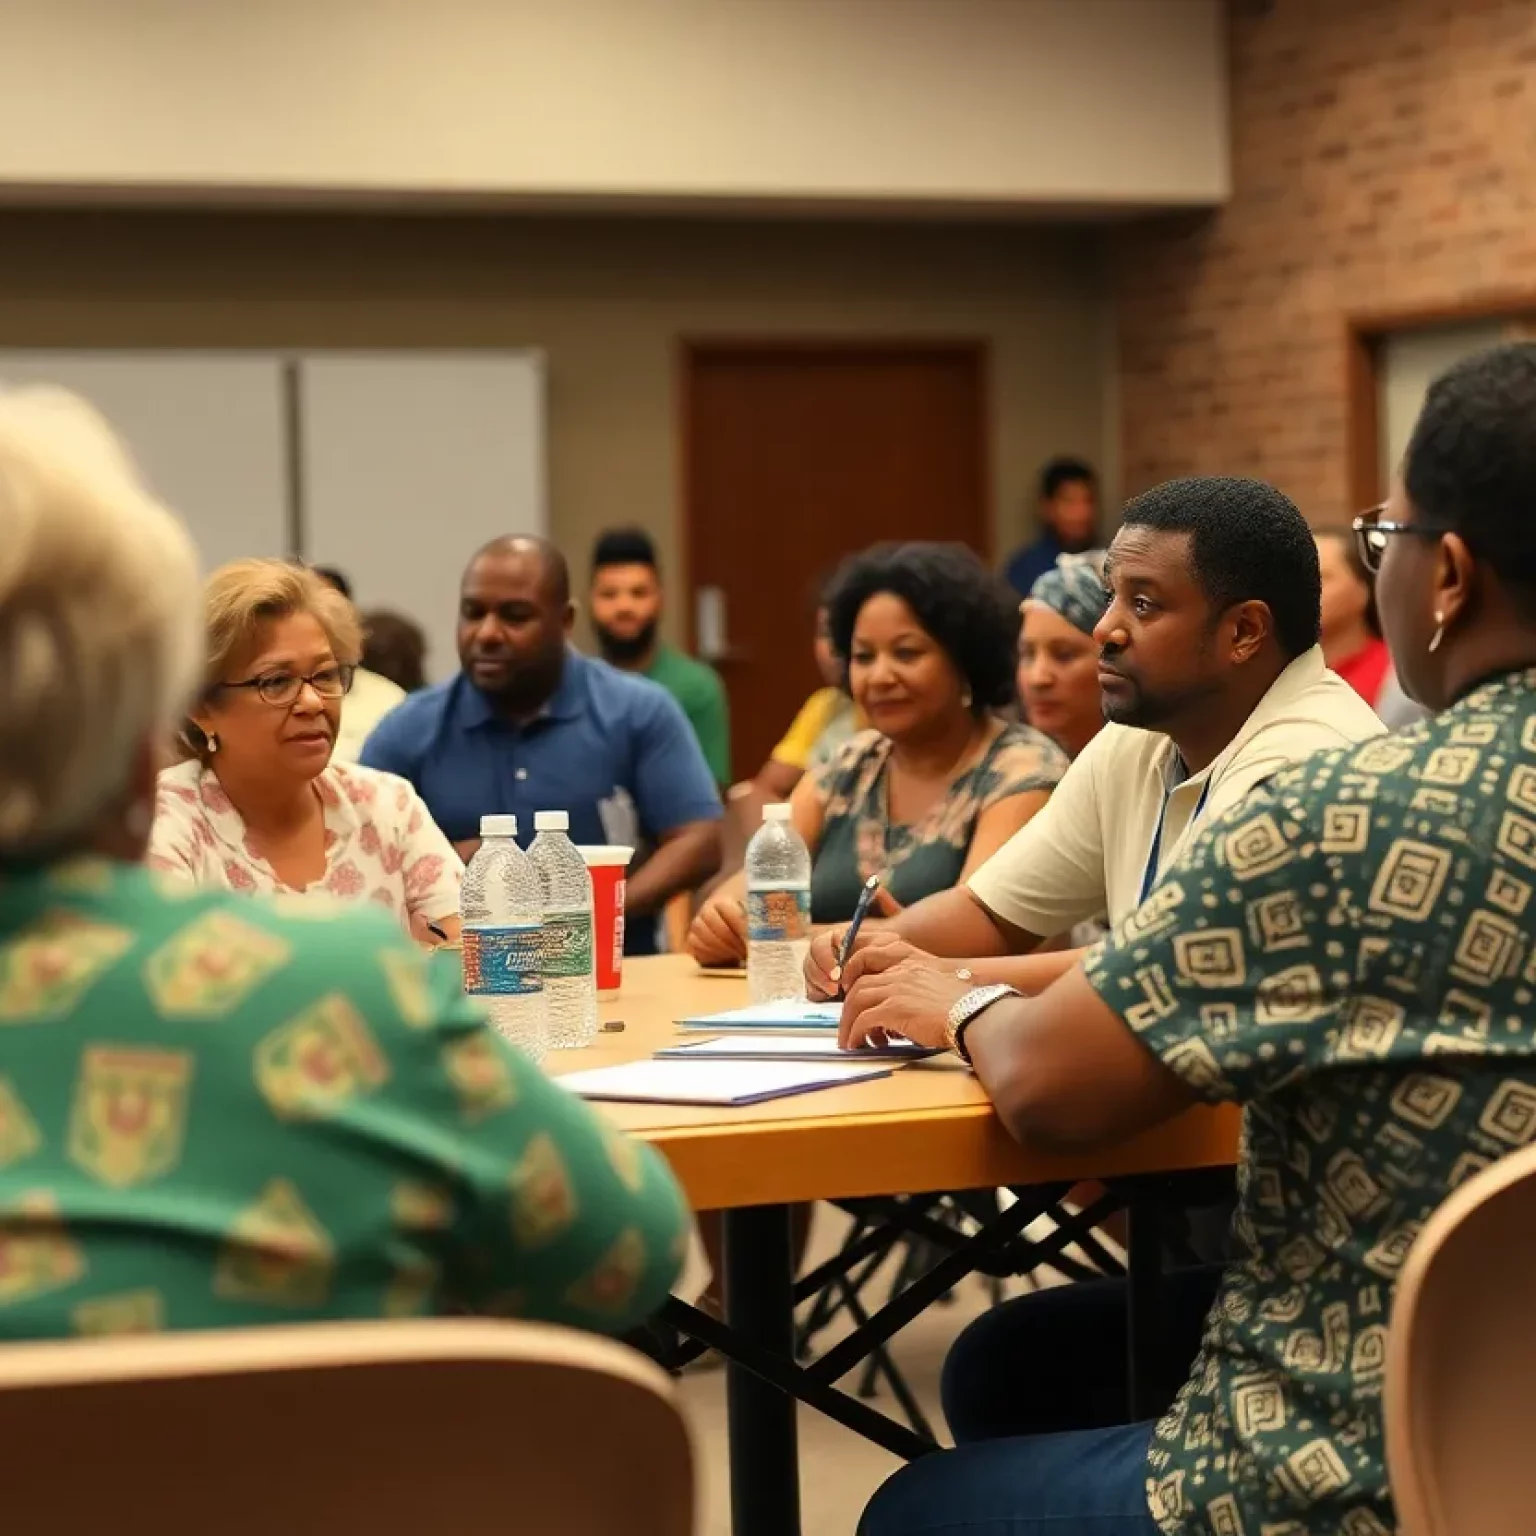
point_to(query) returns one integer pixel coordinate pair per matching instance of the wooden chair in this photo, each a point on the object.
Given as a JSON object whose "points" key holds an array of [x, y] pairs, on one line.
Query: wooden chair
{"points": [[1461, 1362], [382, 1429]]}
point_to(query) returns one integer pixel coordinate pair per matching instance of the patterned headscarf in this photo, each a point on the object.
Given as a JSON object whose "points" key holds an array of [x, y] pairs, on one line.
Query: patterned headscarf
{"points": [[1075, 589]]}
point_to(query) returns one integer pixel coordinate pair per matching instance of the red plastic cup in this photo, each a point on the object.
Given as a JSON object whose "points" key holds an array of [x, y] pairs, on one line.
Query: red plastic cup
{"points": [[608, 864]]}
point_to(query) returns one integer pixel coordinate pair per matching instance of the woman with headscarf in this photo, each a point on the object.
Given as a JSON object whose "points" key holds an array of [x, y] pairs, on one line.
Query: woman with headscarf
{"points": [[1058, 656]]}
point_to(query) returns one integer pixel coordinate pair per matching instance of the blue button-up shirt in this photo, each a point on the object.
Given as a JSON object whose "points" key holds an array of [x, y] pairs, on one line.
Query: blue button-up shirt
{"points": [[608, 747]]}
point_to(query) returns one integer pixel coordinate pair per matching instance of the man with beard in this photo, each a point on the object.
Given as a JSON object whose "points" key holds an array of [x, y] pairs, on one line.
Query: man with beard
{"points": [[1069, 514], [1212, 680], [529, 725], [626, 608]]}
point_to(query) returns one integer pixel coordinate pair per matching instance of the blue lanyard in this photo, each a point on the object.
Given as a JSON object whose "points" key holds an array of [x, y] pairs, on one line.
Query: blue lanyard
{"points": [[1149, 874]]}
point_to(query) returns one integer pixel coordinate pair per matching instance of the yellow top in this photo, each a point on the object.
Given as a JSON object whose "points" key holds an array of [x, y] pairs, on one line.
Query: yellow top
{"points": [[1086, 853], [814, 717]]}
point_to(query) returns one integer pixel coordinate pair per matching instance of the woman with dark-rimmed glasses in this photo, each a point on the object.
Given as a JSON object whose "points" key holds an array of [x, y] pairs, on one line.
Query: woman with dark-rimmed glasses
{"points": [[260, 804]]}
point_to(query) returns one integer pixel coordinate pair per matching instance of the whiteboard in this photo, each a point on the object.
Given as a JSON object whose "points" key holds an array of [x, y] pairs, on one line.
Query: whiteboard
{"points": [[206, 430], [412, 461]]}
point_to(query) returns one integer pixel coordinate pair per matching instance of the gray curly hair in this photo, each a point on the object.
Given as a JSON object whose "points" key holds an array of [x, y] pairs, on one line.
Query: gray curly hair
{"points": [[100, 633]]}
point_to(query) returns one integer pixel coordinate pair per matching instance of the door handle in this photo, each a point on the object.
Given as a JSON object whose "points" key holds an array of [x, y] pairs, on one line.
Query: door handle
{"points": [[709, 615]]}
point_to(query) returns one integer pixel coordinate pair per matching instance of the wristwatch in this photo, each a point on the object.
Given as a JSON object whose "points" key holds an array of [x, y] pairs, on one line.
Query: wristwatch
{"points": [[968, 1007]]}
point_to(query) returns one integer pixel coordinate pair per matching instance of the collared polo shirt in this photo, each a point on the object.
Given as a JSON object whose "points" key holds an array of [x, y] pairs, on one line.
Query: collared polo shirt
{"points": [[701, 696], [610, 749], [1087, 853]]}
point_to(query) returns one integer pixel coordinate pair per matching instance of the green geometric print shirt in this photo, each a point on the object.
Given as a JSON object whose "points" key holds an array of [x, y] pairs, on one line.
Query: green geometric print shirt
{"points": [[1348, 953], [218, 1111]]}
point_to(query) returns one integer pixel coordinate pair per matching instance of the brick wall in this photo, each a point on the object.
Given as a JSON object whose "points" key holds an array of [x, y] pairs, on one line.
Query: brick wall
{"points": [[1384, 160]]}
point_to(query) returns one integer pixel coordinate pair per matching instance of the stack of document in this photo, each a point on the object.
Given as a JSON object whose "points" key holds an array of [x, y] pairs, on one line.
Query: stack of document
{"points": [[777, 1016], [670, 1081], [767, 1051]]}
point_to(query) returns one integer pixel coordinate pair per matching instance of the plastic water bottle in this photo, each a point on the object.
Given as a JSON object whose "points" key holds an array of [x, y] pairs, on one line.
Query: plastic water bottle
{"points": [[778, 909], [570, 979], [502, 912]]}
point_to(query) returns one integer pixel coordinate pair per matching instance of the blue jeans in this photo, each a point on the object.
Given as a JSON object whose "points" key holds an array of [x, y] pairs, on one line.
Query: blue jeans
{"points": [[1035, 1392], [1090, 1482]]}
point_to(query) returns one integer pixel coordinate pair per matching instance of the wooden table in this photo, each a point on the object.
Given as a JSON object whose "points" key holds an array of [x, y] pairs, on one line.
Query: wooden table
{"points": [[927, 1127]]}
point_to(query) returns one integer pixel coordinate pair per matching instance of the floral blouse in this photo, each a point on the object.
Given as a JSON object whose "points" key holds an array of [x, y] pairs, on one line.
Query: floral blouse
{"points": [[859, 839], [381, 844]]}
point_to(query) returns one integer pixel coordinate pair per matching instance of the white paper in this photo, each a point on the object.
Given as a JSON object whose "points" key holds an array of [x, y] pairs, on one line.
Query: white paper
{"points": [[800, 1015], [666, 1081], [807, 1046]]}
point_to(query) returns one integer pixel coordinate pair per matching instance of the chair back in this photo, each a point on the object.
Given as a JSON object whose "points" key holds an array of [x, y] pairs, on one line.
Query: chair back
{"points": [[1460, 1391], [382, 1429]]}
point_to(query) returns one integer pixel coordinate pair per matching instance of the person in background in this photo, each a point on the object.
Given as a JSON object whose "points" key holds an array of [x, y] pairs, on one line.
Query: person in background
{"points": [[939, 783], [220, 1111], [626, 602], [262, 803], [822, 724], [1058, 657], [1212, 679], [1344, 955], [395, 647], [531, 725], [1069, 511], [372, 696], [1351, 633]]}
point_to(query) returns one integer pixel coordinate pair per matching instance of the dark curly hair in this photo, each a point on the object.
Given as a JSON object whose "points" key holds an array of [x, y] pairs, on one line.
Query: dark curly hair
{"points": [[1246, 540], [956, 599], [1471, 459]]}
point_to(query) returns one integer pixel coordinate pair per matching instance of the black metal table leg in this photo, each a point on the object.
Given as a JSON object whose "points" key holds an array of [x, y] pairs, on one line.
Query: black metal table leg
{"points": [[760, 1307], [1144, 1309]]}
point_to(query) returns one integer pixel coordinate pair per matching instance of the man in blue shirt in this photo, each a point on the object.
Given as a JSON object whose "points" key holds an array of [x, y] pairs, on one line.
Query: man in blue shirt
{"points": [[1069, 511], [529, 725]]}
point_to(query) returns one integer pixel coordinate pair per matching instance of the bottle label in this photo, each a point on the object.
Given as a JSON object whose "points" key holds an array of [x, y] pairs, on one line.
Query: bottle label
{"points": [[567, 945], [778, 917], [503, 962]]}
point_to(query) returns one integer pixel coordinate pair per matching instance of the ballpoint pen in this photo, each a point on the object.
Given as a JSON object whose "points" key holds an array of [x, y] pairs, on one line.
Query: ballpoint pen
{"points": [[860, 912]]}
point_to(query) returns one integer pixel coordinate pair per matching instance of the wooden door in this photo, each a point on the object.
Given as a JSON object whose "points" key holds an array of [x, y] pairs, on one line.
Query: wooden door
{"points": [[796, 455]]}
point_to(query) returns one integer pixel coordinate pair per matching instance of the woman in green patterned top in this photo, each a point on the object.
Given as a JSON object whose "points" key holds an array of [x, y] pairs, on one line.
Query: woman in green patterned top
{"points": [[216, 1110], [928, 636], [1348, 953]]}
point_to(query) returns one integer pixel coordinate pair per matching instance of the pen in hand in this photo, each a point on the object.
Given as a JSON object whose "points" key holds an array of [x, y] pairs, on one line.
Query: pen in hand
{"points": [[860, 912]]}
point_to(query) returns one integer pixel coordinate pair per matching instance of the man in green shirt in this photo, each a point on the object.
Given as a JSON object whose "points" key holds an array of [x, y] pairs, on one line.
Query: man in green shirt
{"points": [[1348, 954], [626, 606]]}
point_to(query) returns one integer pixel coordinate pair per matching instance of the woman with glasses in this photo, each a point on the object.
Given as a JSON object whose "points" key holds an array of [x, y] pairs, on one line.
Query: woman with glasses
{"points": [[1351, 631], [260, 804]]}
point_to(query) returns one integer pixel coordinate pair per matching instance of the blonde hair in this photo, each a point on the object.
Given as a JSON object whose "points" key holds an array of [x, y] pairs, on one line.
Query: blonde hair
{"points": [[241, 597], [99, 646]]}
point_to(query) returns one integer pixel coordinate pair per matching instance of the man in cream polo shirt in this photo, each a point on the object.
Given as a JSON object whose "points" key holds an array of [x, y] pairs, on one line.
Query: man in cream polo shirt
{"points": [[1212, 680]]}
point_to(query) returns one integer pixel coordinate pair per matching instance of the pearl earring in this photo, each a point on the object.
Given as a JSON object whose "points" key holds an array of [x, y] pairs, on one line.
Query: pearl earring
{"points": [[213, 740], [965, 699], [1439, 633]]}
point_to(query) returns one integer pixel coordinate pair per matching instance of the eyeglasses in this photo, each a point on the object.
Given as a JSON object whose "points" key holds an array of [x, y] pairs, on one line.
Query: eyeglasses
{"points": [[280, 689], [1371, 530]]}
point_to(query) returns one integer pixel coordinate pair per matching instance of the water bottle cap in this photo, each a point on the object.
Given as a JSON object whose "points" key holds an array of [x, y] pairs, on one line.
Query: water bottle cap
{"points": [[498, 826], [551, 821], [779, 810]]}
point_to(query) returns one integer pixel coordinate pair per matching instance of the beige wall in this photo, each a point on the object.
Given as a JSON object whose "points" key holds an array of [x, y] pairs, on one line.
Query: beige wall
{"points": [[607, 300], [899, 102]]}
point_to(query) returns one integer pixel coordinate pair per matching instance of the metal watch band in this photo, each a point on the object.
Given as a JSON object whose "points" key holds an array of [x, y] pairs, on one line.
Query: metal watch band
{"points": [[967, 1009]]}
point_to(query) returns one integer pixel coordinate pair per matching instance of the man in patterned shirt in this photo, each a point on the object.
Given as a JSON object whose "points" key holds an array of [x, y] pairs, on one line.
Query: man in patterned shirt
{"points": [[1347, 953]]}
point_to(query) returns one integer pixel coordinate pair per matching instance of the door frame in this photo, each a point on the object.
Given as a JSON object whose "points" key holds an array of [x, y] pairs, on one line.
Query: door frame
{"points": [[693, 349], [1364, 333]]}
